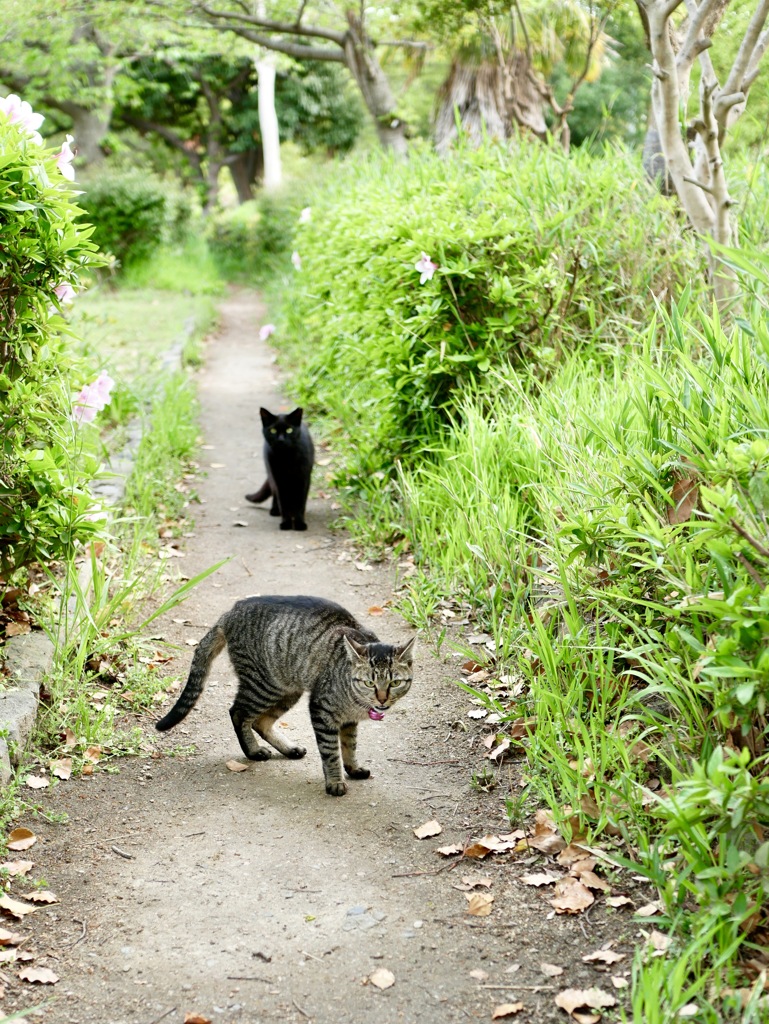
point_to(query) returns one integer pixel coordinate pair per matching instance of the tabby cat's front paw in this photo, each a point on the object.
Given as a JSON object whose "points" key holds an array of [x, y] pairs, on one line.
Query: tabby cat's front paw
{"points": [[336, 788], [295, 753], [260, 754], [357, 773]]}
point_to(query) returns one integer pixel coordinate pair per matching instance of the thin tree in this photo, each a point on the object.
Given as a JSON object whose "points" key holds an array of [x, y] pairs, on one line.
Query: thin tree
{"points": [[692, 142]]}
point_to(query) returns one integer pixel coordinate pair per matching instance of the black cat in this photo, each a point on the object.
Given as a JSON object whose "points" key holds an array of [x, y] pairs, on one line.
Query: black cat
{"points": [[289, 457]]}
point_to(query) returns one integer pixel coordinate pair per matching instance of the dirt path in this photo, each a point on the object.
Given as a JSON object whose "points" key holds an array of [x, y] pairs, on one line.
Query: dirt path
{"points": [[186, 888]]}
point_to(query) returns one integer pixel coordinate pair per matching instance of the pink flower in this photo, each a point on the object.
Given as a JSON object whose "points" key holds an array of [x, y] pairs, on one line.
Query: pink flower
{"points": [[426, 268], [266, 331], [306, 215], [19, 112], [92, 399], [64, 159], [296, 259], [64, 292]]}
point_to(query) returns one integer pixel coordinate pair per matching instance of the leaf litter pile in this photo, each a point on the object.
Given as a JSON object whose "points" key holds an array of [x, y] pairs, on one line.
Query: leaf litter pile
{"points": [[17, 959]]}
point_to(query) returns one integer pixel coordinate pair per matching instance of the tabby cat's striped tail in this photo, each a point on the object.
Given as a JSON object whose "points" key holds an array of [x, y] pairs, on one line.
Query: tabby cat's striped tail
{"points": [[212, 643]]}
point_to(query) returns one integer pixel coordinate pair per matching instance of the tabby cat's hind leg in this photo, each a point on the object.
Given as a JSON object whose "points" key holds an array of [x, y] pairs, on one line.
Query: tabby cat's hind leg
{"points": [[348, 735], [264, 724]]}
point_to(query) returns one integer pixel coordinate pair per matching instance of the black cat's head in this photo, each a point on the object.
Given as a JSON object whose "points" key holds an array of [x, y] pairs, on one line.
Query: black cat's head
{"points": [[282, 429]]}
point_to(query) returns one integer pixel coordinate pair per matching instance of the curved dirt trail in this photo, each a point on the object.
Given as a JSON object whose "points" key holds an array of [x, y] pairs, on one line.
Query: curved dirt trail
{"points": [[253, 896]]}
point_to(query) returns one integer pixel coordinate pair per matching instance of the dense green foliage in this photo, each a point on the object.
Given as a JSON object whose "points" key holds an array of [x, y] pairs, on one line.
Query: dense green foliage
{"points": [[254, 239], [537, 255], [591, 472], [134, 213], [44, 458]]}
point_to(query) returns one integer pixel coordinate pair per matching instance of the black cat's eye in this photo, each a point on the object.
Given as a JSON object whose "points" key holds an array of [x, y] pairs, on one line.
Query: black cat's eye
{"points": [[289, 430], [273, 430]]}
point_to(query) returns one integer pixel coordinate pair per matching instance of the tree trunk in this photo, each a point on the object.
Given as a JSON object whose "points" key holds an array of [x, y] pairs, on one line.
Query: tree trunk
{"points": [[653, 159], [268, 122], [489, 100], [374, 86], [246, 169]]}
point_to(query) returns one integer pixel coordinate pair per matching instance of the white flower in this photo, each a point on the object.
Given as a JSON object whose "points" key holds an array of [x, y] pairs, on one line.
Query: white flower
{"points": [[19, 112], [64, 159], [92, 399], [266, 331], [296, 259], [426, 268], [64, 292], [306, 215]]}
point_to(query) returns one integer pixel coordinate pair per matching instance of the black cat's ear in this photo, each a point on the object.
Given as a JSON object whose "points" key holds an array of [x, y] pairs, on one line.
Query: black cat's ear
{"points": [[406, 651], [294, 418], [355, 651], [268, 418]]}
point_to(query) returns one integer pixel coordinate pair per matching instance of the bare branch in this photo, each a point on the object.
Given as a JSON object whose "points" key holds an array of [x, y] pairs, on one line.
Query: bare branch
{"points": [[284, 27], [298, 50], [751, 51]]}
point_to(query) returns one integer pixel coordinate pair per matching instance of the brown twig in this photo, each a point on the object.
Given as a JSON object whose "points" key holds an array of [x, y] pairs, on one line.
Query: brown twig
{"points": [[122, 853], [82, 935], [253, 977], [764, 552], [304, 1013], [527, 988], [162, 1016], [424, 764]]}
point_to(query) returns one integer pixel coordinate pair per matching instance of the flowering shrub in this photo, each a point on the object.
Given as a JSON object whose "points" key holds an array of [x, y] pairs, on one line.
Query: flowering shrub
{"points": [[45, 250], [426, 280]]}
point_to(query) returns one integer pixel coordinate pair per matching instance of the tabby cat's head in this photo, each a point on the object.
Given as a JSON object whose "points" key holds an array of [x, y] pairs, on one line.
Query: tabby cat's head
{"points": [[381, 673], [282, 429]]}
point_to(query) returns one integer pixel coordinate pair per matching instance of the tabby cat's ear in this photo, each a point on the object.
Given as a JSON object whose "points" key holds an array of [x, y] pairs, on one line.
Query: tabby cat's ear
{"points": [[268, 418], [405, 653], [355, 651], [295, 418]]}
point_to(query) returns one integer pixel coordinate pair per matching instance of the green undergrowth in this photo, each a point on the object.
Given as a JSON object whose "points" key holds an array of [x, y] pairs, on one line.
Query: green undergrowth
{"points": [[592, 486]]}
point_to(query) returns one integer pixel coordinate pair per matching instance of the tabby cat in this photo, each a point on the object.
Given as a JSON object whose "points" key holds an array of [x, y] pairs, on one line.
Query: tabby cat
{"points": [[289, 456], [281, 646]]}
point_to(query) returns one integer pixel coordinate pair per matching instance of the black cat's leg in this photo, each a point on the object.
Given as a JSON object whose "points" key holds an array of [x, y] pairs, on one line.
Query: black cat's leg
{"points": [[348, 736], [299, 523], [327, 735], [264, 724], [275, 509], [286, 524], [243, 717]]}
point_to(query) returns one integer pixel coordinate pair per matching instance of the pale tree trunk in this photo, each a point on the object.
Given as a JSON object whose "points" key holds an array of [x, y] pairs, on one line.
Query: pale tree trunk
{"points": [[698, 175], [374, 86], [89, 128], [268, 122]]}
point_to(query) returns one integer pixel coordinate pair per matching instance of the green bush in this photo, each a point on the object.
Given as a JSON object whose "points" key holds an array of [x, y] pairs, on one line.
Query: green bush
{"points": [[232, 236], [537, 255], [44, 471], [134, 213]]}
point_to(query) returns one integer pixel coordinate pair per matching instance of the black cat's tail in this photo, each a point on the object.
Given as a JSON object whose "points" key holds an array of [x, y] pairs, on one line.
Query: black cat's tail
{"points": [[262, 494], [212, 643]]}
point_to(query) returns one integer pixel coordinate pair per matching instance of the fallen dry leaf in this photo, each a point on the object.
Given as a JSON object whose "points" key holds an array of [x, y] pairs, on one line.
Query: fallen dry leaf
{"points": [[450, 851], [87, 769], [690, 1010], [618, 901], [475, 882], [619, 982], [430, 828], [70, 739], [570, 854], [571, 897], [15, 908], [17, 867], [492, 844], [572, 999], [42, 975], [479, 903], [499, 750], [649, 910], [17, 628], [36, 782], [478, 974], [21, 839], [10, 938], [382, 978], [196, 1018], [62, 768], [659, 940], [541, 878], [93, 754], [685, 495], [376, 609], [593, 881], [506, 1010], [236, 766], [604, 956], [551, 970], [40, 896]]}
